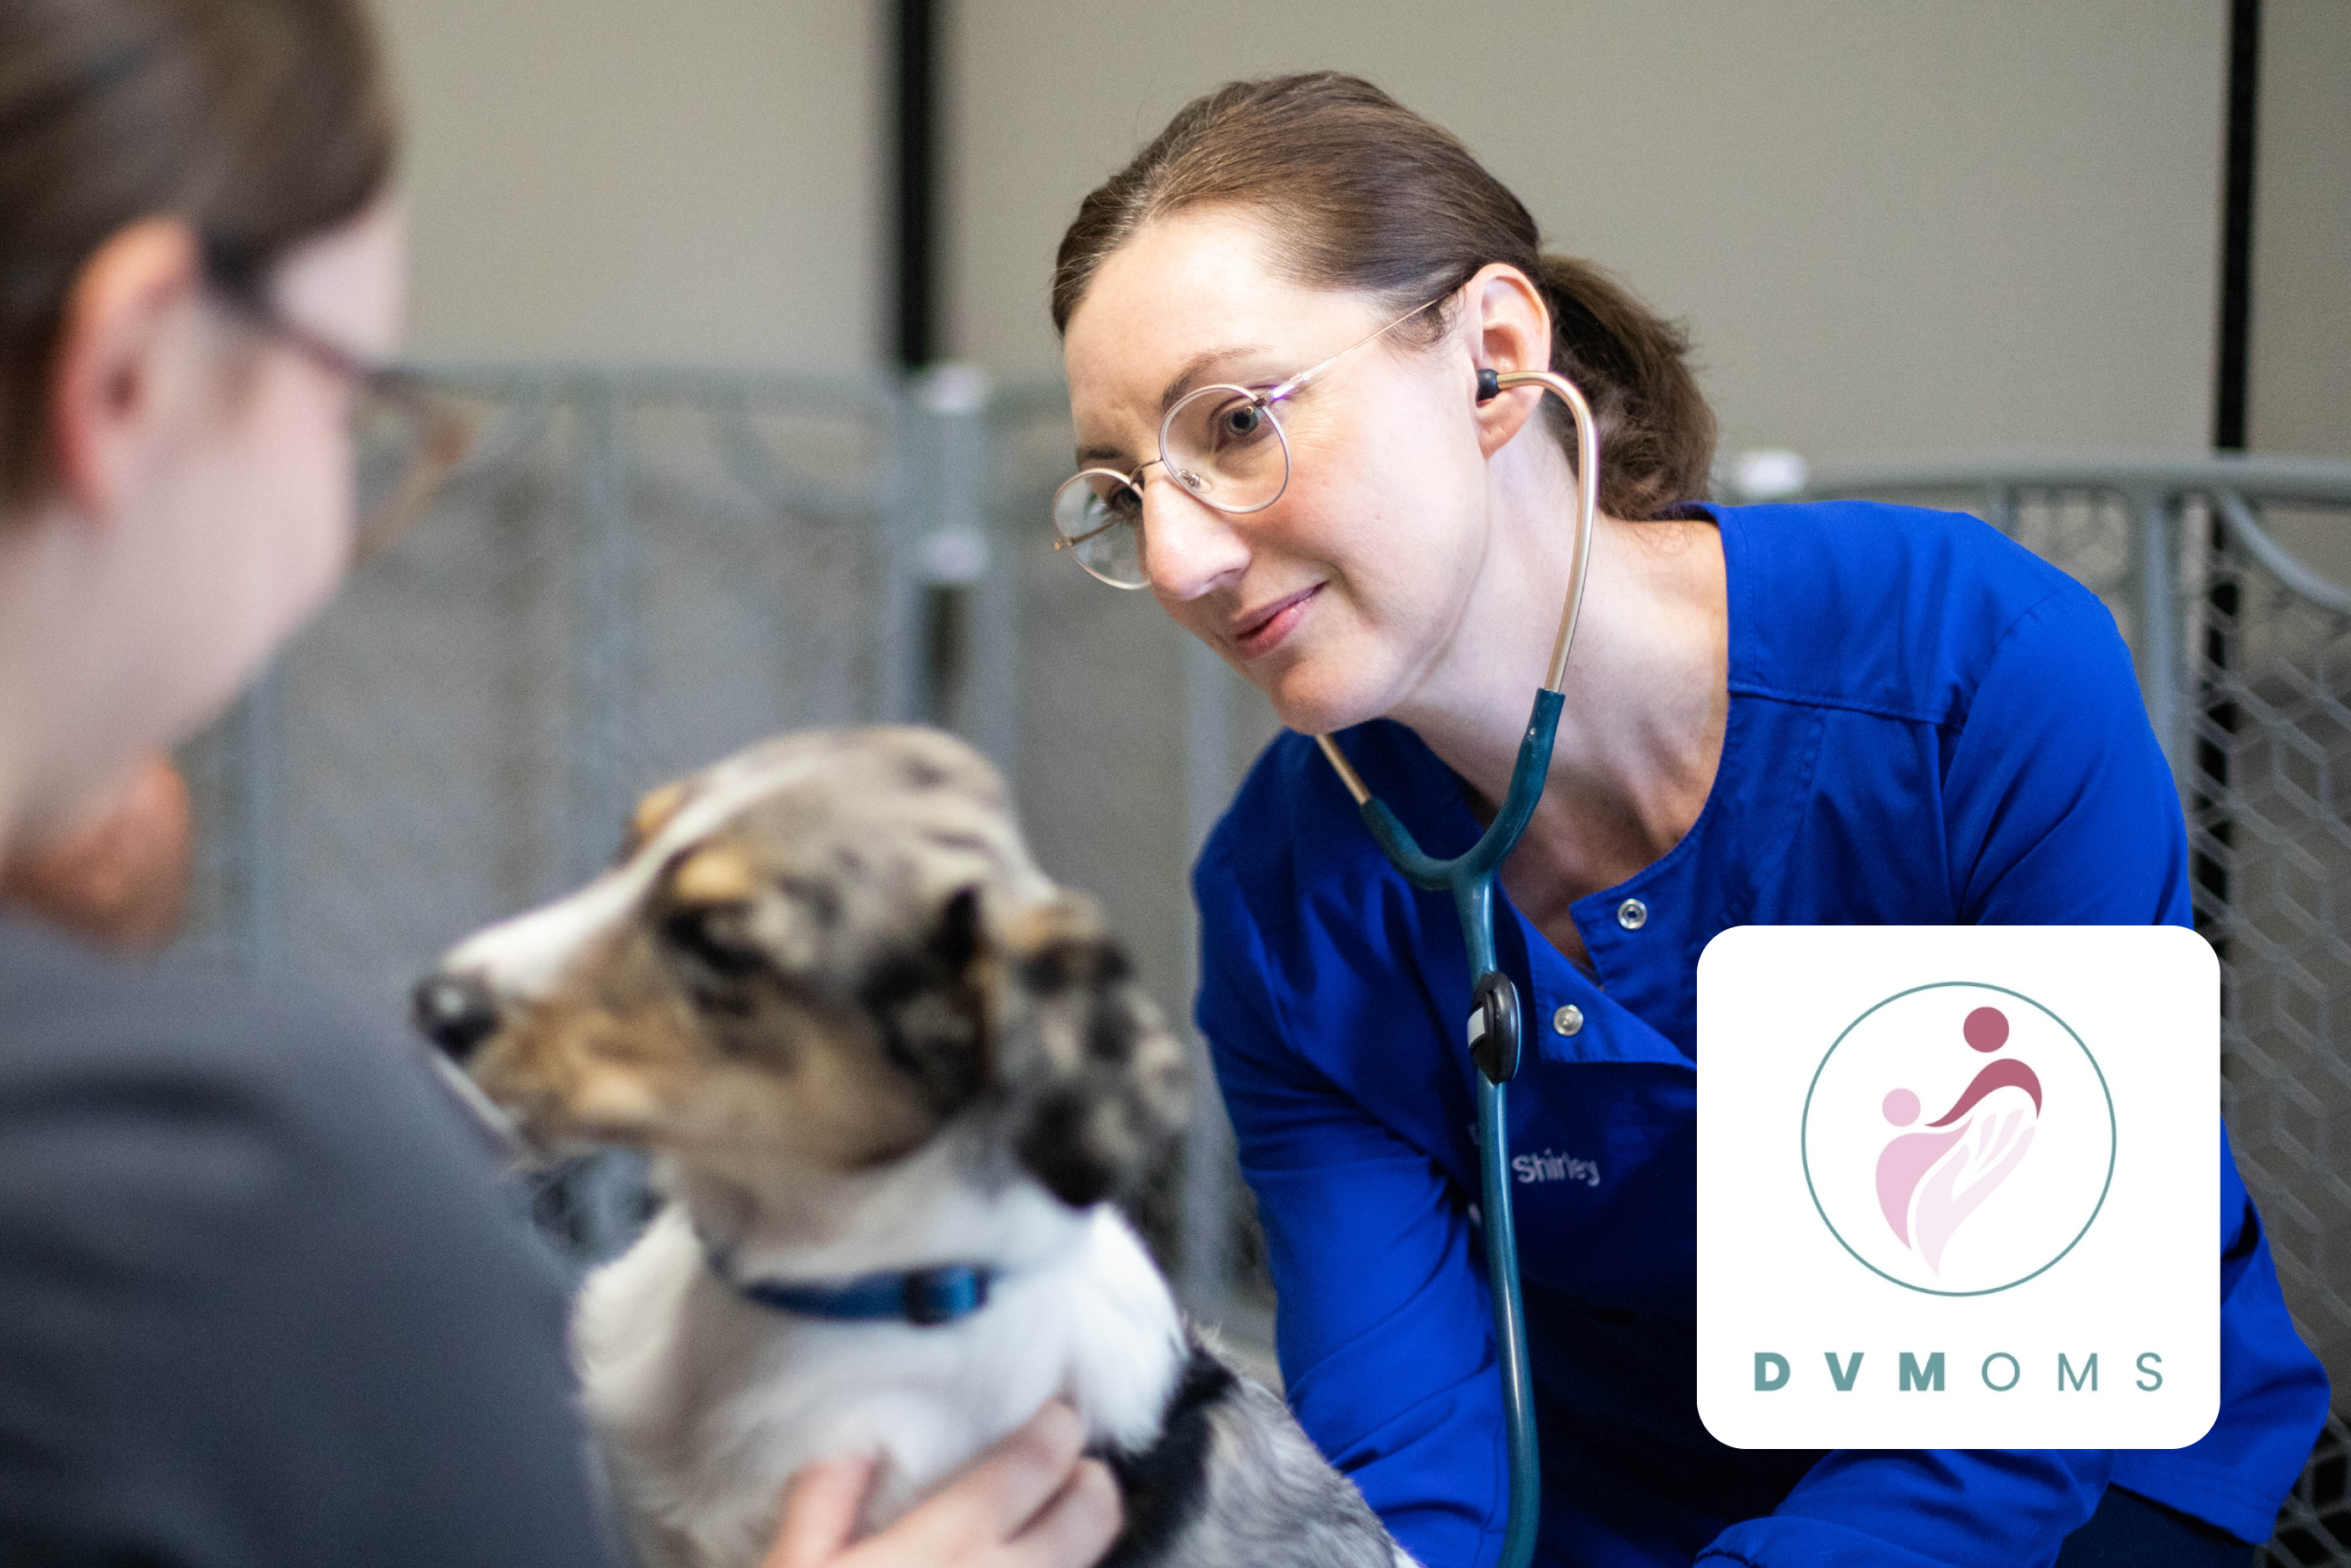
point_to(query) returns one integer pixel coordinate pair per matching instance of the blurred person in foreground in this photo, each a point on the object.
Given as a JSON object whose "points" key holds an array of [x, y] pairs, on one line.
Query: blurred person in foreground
{"points": [[259, 1299]]}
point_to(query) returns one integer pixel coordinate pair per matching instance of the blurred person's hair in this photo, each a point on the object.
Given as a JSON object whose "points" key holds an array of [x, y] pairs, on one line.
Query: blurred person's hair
{"points": [[1357, 192], [260, 123]]}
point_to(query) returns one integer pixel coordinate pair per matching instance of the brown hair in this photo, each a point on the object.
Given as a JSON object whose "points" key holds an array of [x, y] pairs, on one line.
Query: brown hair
{"points": [[259, 122], [1362, 194]]}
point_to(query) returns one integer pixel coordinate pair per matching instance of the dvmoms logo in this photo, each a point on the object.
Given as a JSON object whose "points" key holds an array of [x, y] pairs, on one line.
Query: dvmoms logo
{"points": [[1959, 1139]]}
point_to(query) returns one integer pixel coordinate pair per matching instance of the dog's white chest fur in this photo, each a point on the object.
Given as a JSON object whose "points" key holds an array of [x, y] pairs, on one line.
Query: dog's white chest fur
{"points": [[706, 1402]]}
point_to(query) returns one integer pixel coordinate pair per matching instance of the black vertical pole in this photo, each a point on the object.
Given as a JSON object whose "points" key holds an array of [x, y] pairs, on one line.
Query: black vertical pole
{"points": [[945, 613], [2209, 863], [914, 97], [2237, 227]]}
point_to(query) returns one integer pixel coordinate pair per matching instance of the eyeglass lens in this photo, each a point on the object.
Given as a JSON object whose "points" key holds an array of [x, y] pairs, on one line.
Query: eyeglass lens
{"points": [[1099, 516], [1224, 445]]}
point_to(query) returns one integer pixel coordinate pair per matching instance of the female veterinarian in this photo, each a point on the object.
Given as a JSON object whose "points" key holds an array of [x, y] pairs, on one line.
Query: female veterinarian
{"points": [[1819, 713], [258, 1299]]}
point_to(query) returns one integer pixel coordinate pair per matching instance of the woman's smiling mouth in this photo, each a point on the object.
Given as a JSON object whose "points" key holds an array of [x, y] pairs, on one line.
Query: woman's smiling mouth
{"points": [[1260, 631]]}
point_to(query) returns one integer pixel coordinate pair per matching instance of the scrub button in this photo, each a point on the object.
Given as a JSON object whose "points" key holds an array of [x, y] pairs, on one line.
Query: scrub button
{"points": [[1568, 1019], [1632, 914]]}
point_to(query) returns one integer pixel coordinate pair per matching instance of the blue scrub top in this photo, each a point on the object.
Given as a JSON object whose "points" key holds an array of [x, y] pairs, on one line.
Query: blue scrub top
{"points": [[1927, 724]]}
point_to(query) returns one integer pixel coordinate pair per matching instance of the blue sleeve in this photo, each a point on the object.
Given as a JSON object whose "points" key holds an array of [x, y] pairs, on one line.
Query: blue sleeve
{"points": [[2059, 808], [1369, 1251]]}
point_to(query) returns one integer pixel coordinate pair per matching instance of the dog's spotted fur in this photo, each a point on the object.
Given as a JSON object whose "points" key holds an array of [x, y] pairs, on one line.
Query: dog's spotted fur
{"points": [[826, 984]]}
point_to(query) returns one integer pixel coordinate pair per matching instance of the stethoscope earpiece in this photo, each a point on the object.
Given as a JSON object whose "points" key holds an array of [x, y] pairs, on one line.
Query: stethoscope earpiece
{"points": [[1490, 385]]}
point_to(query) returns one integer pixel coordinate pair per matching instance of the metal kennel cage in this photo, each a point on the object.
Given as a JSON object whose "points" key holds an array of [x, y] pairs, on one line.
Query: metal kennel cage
{"points": [[2243, 652], [639, 572], [636, 572]]}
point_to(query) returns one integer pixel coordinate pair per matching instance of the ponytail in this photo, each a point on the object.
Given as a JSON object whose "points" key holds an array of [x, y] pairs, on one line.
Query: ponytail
{"points": [[1657, 433]]}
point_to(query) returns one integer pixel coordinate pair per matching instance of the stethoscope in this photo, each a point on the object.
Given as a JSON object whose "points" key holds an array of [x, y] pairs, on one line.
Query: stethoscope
{"points": [[1494, 1023]]}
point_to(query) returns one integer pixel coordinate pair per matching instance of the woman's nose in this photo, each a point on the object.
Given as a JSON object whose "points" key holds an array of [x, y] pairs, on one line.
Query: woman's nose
{"points": [[1188, 547]]}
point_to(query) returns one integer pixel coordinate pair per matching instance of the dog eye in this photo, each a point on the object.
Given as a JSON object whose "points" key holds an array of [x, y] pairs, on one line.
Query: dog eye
{"points": [[713, 938]]}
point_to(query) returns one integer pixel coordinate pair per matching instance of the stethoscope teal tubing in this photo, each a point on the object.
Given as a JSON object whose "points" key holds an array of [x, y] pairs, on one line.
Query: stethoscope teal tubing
{"points": [[1496, 1034]]}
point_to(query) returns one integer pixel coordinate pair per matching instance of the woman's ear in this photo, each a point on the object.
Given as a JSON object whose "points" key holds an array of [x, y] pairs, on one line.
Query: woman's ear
{"points": [[1509, 328], [122, 319]]}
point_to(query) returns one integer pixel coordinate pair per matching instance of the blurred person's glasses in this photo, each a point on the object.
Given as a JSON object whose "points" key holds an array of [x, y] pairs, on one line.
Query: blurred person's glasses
{"points": [[408, 435], [1221, 442]]}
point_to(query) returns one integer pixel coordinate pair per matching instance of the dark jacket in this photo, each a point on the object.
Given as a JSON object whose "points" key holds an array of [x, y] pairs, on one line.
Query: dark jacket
{"points": [[260, 1300]]}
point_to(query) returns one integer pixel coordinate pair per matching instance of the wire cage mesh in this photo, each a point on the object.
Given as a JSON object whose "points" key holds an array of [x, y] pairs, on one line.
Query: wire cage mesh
{"points": [[631, 579], [638, 573], [2244, 655], [2267, 799]]}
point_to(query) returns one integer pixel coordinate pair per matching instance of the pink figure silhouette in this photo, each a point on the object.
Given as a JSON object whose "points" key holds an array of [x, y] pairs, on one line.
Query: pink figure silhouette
{"points": [[1929, 1181], [1996, 1141], [1904, 1164]]}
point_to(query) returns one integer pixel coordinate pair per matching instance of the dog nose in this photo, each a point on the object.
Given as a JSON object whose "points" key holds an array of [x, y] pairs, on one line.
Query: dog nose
{"points": [[456, 1012]]}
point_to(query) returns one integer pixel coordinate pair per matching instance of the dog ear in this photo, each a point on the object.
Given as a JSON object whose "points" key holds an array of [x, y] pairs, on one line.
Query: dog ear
{"points": [[929, 1003], [1096, 1083], [653, 811]]}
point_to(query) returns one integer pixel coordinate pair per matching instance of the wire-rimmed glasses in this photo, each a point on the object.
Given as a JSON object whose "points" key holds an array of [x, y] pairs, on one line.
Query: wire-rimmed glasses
{"points": [[1221, 442], [408, 435]]}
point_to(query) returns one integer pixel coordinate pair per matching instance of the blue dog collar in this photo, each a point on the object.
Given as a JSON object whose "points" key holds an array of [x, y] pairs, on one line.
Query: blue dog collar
{"points": [[924, 1297]]}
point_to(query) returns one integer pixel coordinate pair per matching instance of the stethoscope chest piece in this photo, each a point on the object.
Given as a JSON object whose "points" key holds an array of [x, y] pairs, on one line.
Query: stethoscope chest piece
{"points": [[1494, 1029]]}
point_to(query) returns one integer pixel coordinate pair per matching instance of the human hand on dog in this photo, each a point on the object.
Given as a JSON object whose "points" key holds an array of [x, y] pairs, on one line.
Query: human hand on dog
{"points": [[1030, 1501]]}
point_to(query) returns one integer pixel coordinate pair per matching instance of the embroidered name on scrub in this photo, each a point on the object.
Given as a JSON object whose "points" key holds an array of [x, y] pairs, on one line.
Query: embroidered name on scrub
{"points": [[1551, 1165]]}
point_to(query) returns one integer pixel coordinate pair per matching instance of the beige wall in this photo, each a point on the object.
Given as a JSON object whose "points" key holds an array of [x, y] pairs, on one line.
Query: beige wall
{"points": [[2299, 399], [1893, 229], [693, 182]]}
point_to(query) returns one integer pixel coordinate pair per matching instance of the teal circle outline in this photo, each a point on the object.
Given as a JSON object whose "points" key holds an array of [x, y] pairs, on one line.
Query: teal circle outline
{"points": [[2114, 1138]]}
